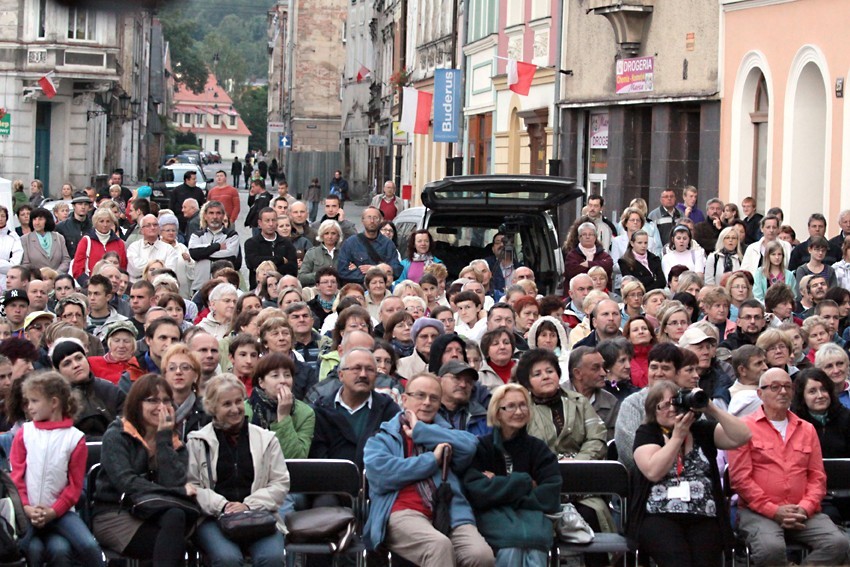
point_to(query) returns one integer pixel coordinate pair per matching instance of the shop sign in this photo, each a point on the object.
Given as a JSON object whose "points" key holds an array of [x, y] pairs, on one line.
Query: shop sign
{"points": [[635, 75]]}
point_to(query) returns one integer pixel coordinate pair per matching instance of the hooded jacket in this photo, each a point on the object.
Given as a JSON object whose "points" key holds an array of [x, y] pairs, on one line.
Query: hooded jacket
{"points": [[271, 477], [100, 403], [388, 471], [438, 349]]}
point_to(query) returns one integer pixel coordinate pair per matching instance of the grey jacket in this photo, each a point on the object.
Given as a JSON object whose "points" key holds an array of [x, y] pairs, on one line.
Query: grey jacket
{"points": [[36, 258]]}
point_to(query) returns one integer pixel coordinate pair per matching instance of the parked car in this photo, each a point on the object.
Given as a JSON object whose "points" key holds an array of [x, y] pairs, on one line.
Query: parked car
{"points": [[170, 176], [463, 214]]}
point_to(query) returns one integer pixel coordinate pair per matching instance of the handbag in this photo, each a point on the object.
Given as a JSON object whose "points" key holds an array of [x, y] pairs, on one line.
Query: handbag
{"points": [[146, 505], [333, 525], [246, 526], [442, 517], [570, 527]]}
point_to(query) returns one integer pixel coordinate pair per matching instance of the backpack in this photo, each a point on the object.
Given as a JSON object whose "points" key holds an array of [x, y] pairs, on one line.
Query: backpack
{"points": [[13, 522]]}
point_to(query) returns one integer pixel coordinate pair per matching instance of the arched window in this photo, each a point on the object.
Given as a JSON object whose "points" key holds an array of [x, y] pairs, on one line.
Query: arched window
{"points": [[758, 117]]}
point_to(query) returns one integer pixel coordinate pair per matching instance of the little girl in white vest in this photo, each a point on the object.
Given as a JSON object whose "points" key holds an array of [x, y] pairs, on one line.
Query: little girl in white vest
{"points": [[48, 461]]}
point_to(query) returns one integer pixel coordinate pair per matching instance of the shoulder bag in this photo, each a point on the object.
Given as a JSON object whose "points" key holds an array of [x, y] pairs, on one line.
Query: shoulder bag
{"points": [[247, 526]]}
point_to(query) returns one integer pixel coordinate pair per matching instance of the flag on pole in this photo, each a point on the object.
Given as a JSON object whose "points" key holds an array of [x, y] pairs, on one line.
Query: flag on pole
{"points": [[47, 86], [416, 110], [363, 73], [520, 76]]}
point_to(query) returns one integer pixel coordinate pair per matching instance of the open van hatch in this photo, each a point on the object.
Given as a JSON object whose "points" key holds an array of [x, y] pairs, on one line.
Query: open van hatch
{"points": [[508, 193]]}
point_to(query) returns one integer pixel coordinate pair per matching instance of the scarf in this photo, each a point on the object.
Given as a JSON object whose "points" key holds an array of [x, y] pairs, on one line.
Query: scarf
{"points": [[263, 407], [184, 409], [104, 238], [727, 261], [642, 258], [46, 241], [326, 305], [231, 433], [426, 259], [819, 417], [589, 253], [403, 349], [556, 406]]}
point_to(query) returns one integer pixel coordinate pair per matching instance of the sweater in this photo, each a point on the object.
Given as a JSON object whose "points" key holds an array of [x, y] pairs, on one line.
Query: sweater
{"points": [[511, 508]]}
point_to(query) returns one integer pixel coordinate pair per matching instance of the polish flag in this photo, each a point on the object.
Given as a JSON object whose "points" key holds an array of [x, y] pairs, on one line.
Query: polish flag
{"points": [[47, 86], [363, 73], [520, 76], [416, 110]]}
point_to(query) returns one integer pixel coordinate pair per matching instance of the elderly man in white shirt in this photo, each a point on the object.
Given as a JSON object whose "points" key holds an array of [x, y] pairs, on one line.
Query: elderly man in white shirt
{"points": [[149, 248]]}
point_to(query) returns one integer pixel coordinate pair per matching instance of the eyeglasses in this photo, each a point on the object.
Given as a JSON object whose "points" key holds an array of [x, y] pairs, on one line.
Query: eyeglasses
{"points": [[157, 401], [513, 408], [777, 347], [369, 370], [635, 294], [741, 287], [422, 396], [180, 367], [664, 406], [775, 387]]}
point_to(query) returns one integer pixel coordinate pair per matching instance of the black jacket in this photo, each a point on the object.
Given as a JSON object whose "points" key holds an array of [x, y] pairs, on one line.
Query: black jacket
{"points": [[706, 235], [180, 194], [333, 437], [737, 339], [101, 402], [280, 251], [127, 468], [73, 230], [835, 435], [236, 168], [753, 225], [652, 278], [257, 204], [800, 255], [196, 419]]}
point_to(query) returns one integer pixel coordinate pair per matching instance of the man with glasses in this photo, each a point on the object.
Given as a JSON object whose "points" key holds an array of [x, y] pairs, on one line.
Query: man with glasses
{"points": [[369, 248], [149, 248], [751, 324], [346, 418], [780, 481], [327, 286], [403, 466]]}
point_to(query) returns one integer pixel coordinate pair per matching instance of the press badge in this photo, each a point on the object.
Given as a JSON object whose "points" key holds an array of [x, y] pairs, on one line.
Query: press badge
{"points": [[681, 492]]}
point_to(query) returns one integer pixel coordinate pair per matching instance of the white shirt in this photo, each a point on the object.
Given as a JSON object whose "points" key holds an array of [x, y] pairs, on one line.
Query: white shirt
{"points": [[338, 400], [140, 253]]}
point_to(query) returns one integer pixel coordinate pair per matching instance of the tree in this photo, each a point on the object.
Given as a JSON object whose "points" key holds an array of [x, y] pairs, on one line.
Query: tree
{"points": [[252, 104], [188, 63]]}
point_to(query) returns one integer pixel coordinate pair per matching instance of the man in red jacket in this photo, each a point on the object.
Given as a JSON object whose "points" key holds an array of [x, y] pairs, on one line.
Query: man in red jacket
{"points": [[225, 194]]}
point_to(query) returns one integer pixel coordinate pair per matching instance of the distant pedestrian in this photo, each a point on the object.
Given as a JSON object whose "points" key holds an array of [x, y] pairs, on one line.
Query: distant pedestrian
{"points": [[236, 171], [247, 170], [312, 197], [273, 170], [339, 187], [263, 168]]}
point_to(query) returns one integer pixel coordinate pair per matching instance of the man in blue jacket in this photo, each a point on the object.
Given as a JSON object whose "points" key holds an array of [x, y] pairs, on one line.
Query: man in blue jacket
{"points": [[403, 463], [366, 250], [458, 406]]}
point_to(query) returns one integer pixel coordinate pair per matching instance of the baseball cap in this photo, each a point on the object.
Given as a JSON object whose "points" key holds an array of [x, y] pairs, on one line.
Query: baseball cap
{"points": [[694, 336], [30, 319], [11, 295], [457, 368]]}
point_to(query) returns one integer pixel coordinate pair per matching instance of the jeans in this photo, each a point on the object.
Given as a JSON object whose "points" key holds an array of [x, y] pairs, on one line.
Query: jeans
{"points": [[314, 210], [60, 541], [222, 552], [519, 557]]}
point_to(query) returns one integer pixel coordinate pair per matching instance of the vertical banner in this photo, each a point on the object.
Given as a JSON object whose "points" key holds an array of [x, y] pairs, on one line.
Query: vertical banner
{"points": [[446, 105]]}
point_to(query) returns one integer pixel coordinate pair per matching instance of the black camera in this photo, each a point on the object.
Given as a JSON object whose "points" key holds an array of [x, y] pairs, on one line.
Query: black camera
{"points": [[687, 400]]}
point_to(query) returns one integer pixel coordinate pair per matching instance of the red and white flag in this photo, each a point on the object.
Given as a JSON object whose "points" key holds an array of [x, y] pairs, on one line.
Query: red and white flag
{"points": [[416, 110], [47, 86], [363, 73], [520, 76]]}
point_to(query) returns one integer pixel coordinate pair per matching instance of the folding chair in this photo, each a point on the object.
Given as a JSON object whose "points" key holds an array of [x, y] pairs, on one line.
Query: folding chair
{"points": [[94, 453], [328, 476], [604, 478], [740, 540]]}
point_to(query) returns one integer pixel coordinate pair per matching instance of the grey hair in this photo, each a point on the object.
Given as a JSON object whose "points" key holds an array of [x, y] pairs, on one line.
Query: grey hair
{"points": [[221, 290], [586, 225], [343, 361], [326, 226], [217, 385]]}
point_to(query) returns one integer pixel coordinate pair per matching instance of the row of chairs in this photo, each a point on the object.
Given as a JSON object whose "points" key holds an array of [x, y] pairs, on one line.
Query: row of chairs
{"points": [[343, 479]]}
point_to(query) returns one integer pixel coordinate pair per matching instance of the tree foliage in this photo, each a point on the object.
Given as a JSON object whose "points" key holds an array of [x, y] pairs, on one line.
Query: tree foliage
{"points": [[188, 64], [252, 104]]}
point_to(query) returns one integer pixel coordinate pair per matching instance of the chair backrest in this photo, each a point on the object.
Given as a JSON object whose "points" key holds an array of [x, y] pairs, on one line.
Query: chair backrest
{"points": [[594, 477], [837, 476], [324, 476], [94, 453]]}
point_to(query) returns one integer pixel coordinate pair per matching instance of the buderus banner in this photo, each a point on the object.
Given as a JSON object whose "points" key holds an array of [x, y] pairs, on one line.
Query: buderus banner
{"points": [[447, 100]]}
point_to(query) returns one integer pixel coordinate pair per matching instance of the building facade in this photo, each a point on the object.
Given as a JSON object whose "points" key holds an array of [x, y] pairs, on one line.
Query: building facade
{"points": [[640, 98], [98, 120], [786, 135], [210, 115]]}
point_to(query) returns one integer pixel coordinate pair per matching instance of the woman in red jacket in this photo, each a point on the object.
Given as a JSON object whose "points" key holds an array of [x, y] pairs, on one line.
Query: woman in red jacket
{"points": [[98, 241], [582, 251]]}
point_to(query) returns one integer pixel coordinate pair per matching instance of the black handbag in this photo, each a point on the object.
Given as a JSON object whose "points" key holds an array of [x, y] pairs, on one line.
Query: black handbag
{"points": [[442, 513], [246, 526], [149, 504], [333, 525]]}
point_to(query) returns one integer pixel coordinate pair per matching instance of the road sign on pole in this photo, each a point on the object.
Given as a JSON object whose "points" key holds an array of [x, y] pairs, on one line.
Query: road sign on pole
{"points": [[285, 141]]}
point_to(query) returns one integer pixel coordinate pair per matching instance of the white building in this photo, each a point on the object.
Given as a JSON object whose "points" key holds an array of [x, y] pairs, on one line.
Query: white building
{"points": [[211, 116]]}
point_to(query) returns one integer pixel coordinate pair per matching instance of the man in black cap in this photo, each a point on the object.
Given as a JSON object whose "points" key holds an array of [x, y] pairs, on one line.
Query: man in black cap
{"points": [[79, 223], [457, 406], [16, 304]]}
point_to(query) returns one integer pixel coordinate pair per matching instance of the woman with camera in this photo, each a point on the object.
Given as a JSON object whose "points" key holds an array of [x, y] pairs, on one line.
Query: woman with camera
{"points": [[676, 487]]}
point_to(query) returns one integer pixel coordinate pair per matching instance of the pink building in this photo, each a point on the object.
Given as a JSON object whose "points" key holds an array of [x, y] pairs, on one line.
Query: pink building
{"points": [[785, 138]]}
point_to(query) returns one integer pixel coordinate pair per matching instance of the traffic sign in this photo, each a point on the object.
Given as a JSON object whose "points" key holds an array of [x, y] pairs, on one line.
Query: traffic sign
{"points": [[285, 141], [277, 127]]}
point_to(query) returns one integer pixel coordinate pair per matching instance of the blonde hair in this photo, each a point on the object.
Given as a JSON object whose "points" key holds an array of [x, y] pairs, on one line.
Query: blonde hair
{"points": [[496, 400], [216, 386], [102, 212]]}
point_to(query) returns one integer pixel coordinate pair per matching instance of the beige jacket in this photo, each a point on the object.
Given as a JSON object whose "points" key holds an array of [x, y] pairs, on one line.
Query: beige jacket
{"points": [[271, 477], [584, 434]]}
